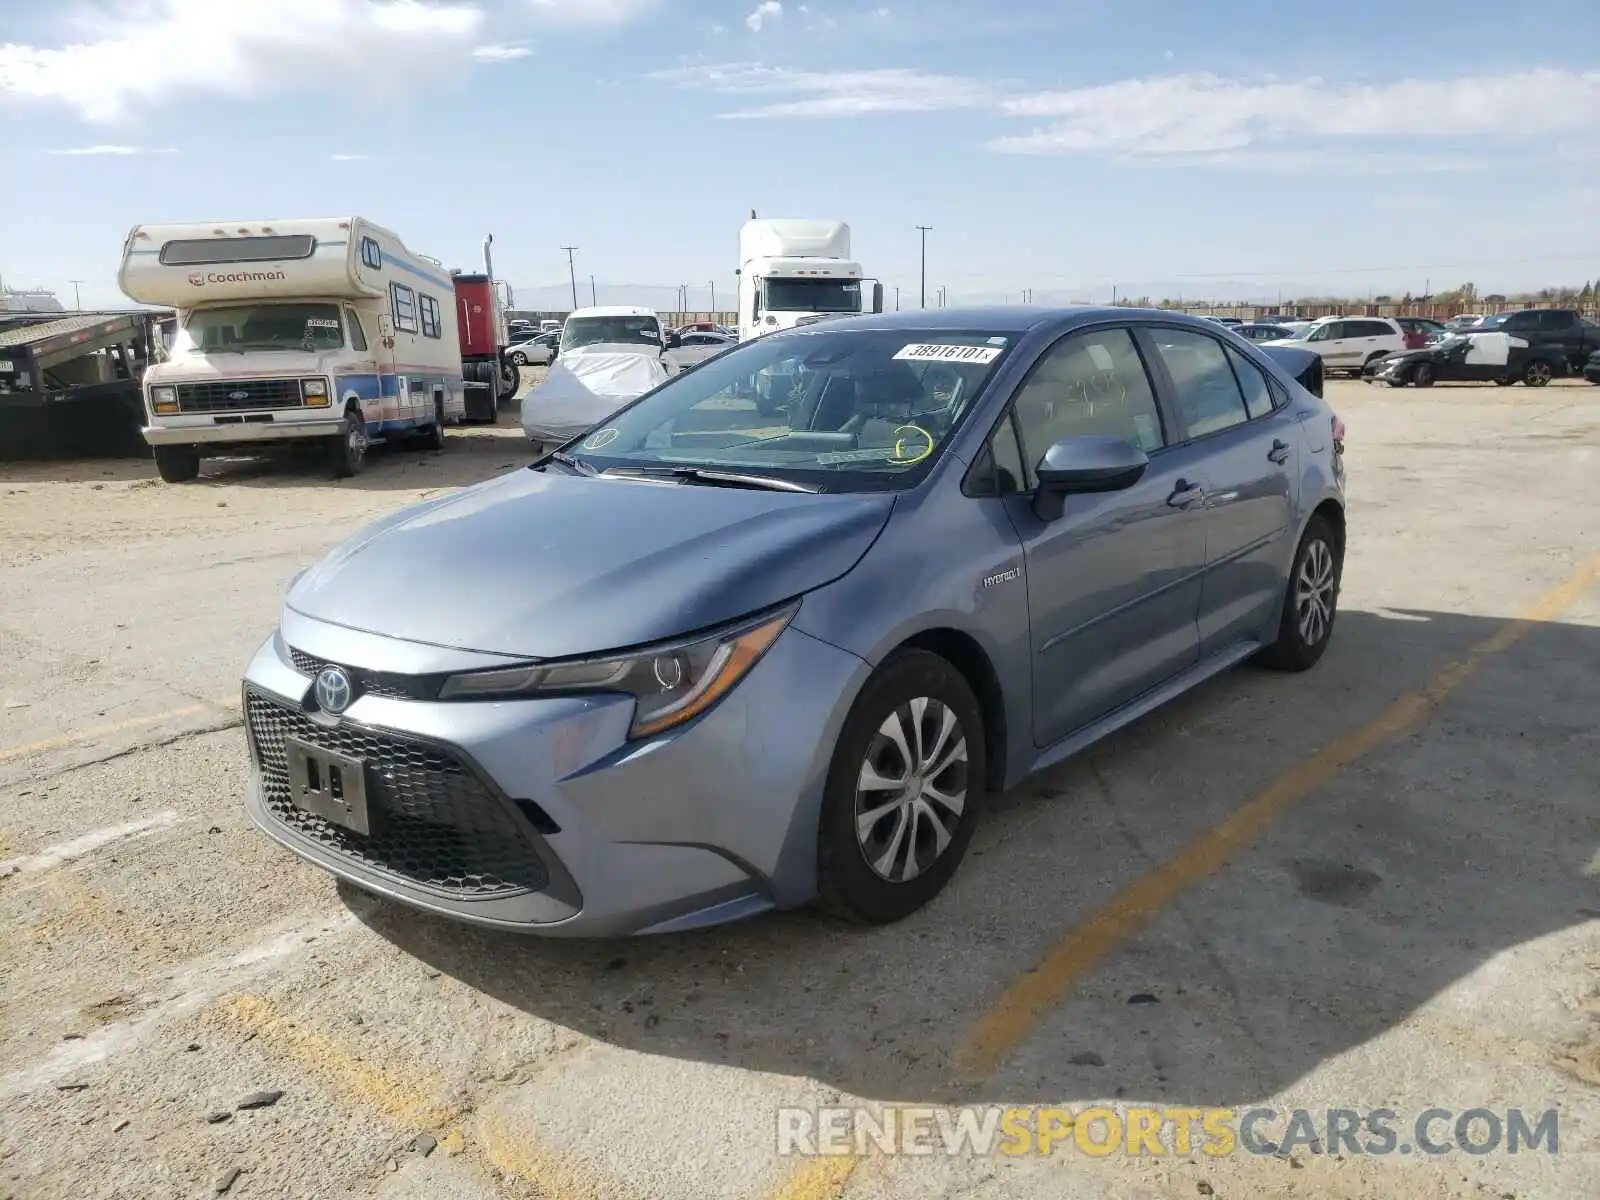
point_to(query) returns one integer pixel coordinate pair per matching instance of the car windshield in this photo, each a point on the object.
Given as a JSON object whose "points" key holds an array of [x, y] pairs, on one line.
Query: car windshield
{"points": [[833, 409], [812, 295], [610, 331], [236, 329]]}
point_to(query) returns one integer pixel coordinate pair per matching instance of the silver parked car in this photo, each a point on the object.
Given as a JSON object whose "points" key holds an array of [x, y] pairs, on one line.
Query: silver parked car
{"points": [[704, 661], [539, 351], [694, 347]]}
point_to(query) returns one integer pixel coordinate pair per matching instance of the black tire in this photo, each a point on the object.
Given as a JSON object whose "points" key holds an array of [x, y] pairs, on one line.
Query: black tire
{"points": [[1422, 375], [1537, 373], [433, 435], [510, 380], [177, 464], [1300, 644], [1504, 382], [848, 884], [349, 449]]}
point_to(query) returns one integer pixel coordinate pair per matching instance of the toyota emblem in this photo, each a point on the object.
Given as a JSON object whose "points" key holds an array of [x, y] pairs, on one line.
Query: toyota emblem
{"points": [[334, 690], [238, 395]]}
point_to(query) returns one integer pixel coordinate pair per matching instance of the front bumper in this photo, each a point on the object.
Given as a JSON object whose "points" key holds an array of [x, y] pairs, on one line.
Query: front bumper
{"points": [[243, 431], [539, 815]]}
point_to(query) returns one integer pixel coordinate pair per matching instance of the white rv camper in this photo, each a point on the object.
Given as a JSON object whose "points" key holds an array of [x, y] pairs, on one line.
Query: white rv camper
{"points": [[325, 328]]}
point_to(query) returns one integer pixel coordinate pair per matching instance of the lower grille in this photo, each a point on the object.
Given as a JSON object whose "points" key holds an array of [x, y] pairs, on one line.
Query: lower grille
{"points": [[369, 683], [434, 822], [238, 395]]}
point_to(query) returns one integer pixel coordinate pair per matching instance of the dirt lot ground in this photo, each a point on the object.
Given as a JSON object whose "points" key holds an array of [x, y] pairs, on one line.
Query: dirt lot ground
{"points": [[1373, 886]]}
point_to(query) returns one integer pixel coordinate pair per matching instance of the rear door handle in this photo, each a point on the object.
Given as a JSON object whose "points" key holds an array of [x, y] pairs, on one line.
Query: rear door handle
{"points": [[1279, 452], [1186, 494]]}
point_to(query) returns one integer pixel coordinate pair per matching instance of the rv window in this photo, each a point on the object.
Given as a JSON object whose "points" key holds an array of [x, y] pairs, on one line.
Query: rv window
{"points": [[431, 326], [371, 253], [358, 335], [405, 307], [195, 252]]}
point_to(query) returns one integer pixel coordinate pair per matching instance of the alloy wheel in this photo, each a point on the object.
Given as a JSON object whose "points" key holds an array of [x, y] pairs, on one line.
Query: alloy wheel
{"points": [[911, 790], [1313, 593]]}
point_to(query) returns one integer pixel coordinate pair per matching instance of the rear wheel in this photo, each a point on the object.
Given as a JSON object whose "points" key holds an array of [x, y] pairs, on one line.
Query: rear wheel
{"points": [[433, 436], [1537, 373], [177, 464], [1422, 374], [349, 449], [903, 791], [519, 359], [1310, 600]]}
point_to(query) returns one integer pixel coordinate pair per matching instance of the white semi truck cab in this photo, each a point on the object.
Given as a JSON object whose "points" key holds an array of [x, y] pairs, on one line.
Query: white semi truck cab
{"points": [[792, 272]]}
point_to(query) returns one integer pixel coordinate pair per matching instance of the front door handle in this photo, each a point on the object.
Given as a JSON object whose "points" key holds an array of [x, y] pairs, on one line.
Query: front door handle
{"points": [[1279, 452], [1186, 494]]}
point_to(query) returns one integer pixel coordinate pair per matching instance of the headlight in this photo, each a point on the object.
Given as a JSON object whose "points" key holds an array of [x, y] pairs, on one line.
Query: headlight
{"points": [[164, 399], [314, 391], [670, 683]]}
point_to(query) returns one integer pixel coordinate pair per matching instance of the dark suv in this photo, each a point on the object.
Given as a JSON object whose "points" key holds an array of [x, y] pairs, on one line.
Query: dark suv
{"points": [[1576, 335]]}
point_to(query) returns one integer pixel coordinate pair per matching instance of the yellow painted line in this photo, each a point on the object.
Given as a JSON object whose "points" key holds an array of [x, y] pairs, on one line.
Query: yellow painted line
{"points": [[535, 1172], [28, 749], [1019, 1008], [409, 1101], [819, 1179]]}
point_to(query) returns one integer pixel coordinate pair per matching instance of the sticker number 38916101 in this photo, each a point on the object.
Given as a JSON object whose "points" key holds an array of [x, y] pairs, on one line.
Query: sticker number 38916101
{"points": [[945, 352]]}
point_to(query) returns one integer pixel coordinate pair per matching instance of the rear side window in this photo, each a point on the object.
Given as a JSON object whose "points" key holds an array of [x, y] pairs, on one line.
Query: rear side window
{"points": [[1208, 394], [1556, 321], [1258, 400], [1368, 329]]}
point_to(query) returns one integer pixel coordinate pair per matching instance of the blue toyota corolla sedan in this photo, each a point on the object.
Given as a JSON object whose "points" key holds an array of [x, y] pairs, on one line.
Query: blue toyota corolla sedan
{"points": [[772, 632]]}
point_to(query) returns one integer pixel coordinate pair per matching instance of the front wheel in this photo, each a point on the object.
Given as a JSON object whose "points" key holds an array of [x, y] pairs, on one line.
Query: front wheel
{"points": [[1310, 601], [349, 449], [1537, 373], [519, 359], [433, 436], [177, 464], [1422, 375], [902, 792]]}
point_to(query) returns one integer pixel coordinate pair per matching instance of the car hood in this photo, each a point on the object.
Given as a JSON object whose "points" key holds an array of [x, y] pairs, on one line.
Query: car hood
{"points": [[538, 564]]}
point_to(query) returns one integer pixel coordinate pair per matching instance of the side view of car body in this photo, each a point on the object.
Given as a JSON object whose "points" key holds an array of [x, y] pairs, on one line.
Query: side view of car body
{"points": [[695, 347], [1472, 357], [737, 660], [1350, 343], [537, 351]]}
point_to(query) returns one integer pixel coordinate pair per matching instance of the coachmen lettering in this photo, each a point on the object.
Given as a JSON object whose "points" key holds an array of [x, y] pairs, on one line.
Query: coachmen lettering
{"points": [[200, 279]]}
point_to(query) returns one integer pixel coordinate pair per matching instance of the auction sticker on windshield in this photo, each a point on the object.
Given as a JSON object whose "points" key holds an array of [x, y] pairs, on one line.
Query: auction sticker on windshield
{"points": [[945, 352], [321, 323]]}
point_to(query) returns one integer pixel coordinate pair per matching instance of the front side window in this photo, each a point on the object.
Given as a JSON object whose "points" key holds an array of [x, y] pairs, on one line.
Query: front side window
{"points": [[247, 328], [1208, 395], [405, 307], [842, 411], [1088, 384], [358, 335]]}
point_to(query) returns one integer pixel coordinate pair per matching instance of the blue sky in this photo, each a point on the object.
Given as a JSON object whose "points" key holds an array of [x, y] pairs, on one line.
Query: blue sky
{"points": [[1169, 147]]}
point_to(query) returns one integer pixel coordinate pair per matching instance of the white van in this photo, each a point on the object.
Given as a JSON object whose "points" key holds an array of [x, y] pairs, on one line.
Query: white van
{"points": [[326, 329], [618, 328]]}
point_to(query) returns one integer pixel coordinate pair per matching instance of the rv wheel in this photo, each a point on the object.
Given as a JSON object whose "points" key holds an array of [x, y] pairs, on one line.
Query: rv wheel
{"points": [[177, 464], [350, 447], [433, 436]]}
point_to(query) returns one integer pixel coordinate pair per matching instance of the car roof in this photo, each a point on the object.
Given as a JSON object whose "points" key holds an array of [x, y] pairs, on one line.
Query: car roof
{"points": [[613, 310], [1013, 319]]}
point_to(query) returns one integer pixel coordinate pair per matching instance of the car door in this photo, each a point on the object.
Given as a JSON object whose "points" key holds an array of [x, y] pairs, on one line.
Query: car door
{"points": [[1245, 445], [1114, 584], [1328, 341], [1559, 327], [1365, 339]]}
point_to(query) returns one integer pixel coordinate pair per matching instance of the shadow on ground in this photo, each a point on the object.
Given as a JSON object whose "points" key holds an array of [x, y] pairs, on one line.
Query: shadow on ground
{"points": [[1397, 879]]}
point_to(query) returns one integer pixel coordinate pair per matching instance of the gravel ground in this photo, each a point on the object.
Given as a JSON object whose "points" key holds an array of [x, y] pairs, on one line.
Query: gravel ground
{"points": [[1377, 885]]}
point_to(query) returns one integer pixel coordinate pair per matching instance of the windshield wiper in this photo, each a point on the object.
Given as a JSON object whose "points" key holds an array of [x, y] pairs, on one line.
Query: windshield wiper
{"points": [[711, 478], [566, 460]]}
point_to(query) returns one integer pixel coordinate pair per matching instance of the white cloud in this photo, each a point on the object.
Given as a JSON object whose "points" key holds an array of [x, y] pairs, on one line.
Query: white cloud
{"points": [[831, 93], [1200, 114], [766, 11], [156, 51], [501, 52], [348, 157], [116, 151], [593, 13]]}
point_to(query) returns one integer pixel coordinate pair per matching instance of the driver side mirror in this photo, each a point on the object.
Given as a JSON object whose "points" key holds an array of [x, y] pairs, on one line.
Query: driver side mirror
{"points": [[1083, 465], [674, 342]]}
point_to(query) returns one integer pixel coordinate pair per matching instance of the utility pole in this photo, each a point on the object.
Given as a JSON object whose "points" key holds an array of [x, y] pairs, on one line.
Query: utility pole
{"points": [[897, 299], [713, 284], [592, 300], [572, 274], [923, 229], [77, 299], [1113, 295]]}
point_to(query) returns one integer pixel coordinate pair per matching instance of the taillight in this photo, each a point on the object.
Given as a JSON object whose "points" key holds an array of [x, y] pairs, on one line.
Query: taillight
{"points": [[1338, 434]]}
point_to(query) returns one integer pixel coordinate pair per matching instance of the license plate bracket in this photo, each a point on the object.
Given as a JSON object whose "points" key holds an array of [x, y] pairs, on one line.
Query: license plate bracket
{"points": [[327, 784]]}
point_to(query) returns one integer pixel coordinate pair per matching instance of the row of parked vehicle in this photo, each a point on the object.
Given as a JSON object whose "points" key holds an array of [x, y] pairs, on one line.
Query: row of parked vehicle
{"points": [[1529, 346], [694, 343]]}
